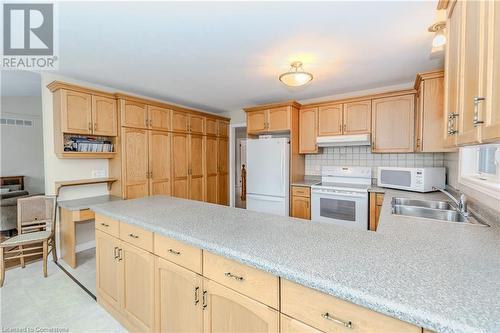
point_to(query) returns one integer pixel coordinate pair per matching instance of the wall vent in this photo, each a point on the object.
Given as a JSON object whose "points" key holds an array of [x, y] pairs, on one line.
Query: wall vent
{"points": [[16, 122]]}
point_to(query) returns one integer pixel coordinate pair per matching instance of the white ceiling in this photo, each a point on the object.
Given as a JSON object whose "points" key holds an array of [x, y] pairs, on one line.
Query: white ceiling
{"points": [[222, 56]]}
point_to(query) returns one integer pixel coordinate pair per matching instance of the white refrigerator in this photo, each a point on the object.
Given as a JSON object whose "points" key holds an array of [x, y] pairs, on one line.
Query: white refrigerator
{"points": [[268, 175]]}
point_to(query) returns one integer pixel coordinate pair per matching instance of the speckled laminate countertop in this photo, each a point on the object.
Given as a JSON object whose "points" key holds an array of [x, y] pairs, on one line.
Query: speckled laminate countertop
{"points": [[85, 203], [441, 276], [306, 182]]}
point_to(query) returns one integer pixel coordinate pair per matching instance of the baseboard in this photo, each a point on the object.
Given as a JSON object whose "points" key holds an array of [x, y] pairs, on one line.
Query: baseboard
{"points": [[85, 246]]}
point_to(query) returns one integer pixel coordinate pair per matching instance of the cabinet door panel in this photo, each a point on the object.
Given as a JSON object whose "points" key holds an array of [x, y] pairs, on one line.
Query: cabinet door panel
{"points": [[330, 120], [178, 299], [279, 119], [159, 118], [76, 112], [223, 186], [134, 114], [472, 51], [197, 124], [301, 207], [491, 113], [256, 121], [159, 162], [393, 124], [180, 121], [290, 325], [211, 126], [107, 269], [357, 117], [222, 128], [197, 174], [137, 287], [229, 311], [104, 116], [211, 161], [180, 165], [452, 74], [135, 163], [308, 130]]}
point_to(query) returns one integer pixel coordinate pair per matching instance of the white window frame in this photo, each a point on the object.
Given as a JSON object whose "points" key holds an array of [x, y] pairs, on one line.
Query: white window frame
{"points": [[471, 177]]}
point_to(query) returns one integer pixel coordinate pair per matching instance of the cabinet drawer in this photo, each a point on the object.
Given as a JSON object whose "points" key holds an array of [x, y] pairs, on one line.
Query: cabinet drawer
{"points": [[136, 236], [179, 253], [107, 225], [330, 314], [83, 215], [301, 191], [246, 280]]}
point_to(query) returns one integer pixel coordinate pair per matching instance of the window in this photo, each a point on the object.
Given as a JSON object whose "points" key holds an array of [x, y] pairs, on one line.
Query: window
{"points": [[480, 168]]}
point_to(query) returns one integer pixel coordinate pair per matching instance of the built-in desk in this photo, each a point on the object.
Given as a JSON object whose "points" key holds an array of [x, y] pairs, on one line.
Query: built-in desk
{"points": [[71, 213]]}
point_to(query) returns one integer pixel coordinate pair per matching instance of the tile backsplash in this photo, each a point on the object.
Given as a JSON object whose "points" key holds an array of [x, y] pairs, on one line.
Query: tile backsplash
{"points": [[362, 156]]}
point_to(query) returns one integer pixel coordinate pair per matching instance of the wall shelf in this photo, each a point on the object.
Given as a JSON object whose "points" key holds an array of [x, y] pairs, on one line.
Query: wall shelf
{"points": [[66, 183]]}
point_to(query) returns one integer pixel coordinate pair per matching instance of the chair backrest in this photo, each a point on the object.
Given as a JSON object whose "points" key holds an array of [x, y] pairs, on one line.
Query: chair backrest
{"points": [[36, 213]]}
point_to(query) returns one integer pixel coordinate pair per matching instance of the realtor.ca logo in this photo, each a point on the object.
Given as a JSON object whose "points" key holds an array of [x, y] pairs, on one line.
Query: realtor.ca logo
{"points": [[28, 36]]}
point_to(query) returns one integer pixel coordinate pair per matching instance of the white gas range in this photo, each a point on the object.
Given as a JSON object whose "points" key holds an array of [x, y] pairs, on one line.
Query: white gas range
{"points": [[342, 197]]}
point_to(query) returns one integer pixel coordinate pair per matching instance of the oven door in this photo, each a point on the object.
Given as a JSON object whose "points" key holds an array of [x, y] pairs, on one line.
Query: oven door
{"points": [[343, 209]]}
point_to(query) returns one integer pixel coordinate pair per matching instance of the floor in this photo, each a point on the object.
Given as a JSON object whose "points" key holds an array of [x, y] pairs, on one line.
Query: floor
{"points": [[85, 271], [32, 303]]}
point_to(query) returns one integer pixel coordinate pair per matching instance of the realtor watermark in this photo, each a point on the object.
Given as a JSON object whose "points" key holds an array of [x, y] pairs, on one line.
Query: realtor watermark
{"points": [[29, 36]]}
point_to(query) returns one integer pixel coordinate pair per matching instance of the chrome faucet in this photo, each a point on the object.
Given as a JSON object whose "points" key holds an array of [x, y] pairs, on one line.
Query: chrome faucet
{"points": [[461, 202]]}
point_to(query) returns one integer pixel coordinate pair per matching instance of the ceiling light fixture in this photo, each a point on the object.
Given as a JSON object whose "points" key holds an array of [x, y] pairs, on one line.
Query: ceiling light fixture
{"points": [[439, 37], [296, 76]]}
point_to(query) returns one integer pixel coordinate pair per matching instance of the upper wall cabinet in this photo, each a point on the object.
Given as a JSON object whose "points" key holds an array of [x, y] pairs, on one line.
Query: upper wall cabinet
{"points": [[82, 111], [308, 130], [473, 72], [134, 114], [330, 120], [429, 114], [357, 117], [272, 118], [392, 124], [159, 118]]}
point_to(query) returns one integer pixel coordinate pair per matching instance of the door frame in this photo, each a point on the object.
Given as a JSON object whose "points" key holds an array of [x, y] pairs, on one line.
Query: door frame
{"points": [[232, 160]]}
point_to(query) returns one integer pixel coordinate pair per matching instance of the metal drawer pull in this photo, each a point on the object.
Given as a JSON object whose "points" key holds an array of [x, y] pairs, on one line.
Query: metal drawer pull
{"points": [[196, 295], [476, 120], [177, 253], [236, 277], [327, 316], [120, 255], [116, 252], [133, 236], [204, 299], [105, 225]]}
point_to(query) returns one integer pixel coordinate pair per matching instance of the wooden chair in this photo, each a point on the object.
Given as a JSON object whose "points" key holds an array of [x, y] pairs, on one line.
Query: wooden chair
{"points": [[36, 231]]}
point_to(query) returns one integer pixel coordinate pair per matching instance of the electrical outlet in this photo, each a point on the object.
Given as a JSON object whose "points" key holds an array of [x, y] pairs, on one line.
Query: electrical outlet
{"points": [[101, 173]]}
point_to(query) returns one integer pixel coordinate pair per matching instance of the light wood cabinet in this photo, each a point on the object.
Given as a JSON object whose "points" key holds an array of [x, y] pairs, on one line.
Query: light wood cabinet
{"points": [[275, 119], [222, 128], [211, 126], [222, 171], [158, 118], [180, 121], [330, 120], [196, 168], [212, 165], [357, 117], [196, 124], [490, 130], [301, 202], [104, 116], [308, 130], [393, 124], [178, 299], [180, 165], [159, 163], [452, 74], [137, 287], [135, 159], [228, 311], [134, 114], [107, 269], [76, 112], [430, 117], [290, 325]]}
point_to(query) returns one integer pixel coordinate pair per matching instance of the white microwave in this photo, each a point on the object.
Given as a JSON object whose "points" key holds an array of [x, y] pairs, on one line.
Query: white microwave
{"points": [[411, 179]]}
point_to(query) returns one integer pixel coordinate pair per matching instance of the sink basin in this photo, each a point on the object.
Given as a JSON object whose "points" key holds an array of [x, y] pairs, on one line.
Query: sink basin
{"points": [[423, 203], [430, 213]]}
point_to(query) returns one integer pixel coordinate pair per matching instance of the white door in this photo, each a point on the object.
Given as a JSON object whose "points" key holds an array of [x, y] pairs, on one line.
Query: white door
{"points": [[267, 167]]}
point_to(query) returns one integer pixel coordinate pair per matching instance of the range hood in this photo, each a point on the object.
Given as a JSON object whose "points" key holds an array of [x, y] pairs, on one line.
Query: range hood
{"points": [[343, 140]]}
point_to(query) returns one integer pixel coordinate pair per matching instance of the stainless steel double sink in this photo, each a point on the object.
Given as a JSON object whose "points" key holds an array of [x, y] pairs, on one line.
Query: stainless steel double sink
{"points": [[430, 209]]}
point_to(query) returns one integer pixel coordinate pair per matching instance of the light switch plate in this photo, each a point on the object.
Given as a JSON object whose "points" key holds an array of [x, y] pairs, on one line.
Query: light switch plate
{"points": [[100, 173]]}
